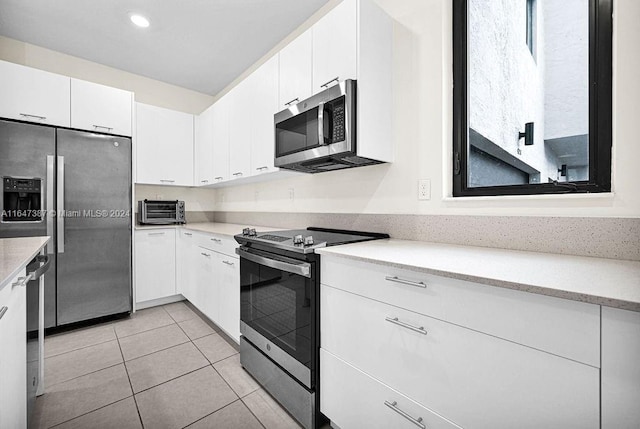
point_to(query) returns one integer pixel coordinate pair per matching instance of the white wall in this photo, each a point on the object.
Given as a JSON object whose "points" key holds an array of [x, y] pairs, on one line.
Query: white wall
{"points": [[566, 68], [423, 137], [506, 83], [146, 90]]}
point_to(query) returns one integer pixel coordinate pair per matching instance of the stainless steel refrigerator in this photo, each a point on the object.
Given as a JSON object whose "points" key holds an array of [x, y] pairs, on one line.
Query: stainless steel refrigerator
{"points": [[74, 186]]}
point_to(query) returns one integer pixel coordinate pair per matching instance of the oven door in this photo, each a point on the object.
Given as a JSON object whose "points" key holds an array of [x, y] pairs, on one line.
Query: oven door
{"points": [[277, 309]]}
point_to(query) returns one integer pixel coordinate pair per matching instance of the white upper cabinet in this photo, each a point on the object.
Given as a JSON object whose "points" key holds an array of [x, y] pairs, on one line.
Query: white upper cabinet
{"points": [[295, 71], [240, 132], [221, 139], [164, 154], [204, 135], [264, 86], [100, 108], [34, 95], [334, 46]]}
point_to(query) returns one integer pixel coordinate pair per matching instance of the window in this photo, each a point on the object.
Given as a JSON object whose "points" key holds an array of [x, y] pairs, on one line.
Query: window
{"points": [[531, 23], [526, 127]]}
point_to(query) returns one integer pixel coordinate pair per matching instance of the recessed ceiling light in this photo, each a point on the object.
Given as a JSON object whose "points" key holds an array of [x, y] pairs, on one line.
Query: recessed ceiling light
{"points": [[139, 20]]}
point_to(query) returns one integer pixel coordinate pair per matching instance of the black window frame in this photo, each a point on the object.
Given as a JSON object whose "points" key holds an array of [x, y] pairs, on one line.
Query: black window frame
{"points": [[600, 110]]}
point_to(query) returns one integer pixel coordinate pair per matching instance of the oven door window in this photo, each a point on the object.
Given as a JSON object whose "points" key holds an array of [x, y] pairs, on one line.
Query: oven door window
{"points": [[278, 305], [297, 134]]}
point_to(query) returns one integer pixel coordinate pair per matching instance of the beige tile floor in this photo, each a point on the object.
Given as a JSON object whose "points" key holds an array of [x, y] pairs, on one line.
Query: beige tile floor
{"points": [[163, 367]]}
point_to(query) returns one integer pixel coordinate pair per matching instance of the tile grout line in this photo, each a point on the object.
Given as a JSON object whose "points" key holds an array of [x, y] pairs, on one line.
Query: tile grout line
{"points": [[156, 351], [250, 410], [126, 370], [115, 337], [83, 375], [88, 412]]}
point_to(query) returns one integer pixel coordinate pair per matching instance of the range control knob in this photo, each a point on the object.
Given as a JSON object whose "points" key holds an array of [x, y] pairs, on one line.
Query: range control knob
{"points": [[308, 241], [245, 231], [298, 239], [252, 232]]}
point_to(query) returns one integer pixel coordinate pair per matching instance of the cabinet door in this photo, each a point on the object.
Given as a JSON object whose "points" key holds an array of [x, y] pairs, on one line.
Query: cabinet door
{"points": [[100, 108], [186, 264], [207, 293], [221, 139], [164, 146], [240, 129], [265, 101], [295, 71], [34, 95], [334, 46], [620, 368], [13, 356], [476, 380], [204, 134], [228, 282], [155, 269]]}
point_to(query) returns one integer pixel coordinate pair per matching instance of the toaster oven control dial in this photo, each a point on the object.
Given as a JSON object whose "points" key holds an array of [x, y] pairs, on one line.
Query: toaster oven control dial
{"points": [[298, 239], [308, 241]]}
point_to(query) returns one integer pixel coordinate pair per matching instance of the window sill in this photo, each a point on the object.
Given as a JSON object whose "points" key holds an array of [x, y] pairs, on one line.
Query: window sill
{"points": [[540, 197]]}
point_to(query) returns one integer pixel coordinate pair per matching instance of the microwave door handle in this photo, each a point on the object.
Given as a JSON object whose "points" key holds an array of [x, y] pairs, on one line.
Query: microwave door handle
{"points": [[321, 124]]}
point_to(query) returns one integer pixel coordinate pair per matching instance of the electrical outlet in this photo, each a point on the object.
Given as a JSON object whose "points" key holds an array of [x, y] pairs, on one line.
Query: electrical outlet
{"points": [[424, 189]]}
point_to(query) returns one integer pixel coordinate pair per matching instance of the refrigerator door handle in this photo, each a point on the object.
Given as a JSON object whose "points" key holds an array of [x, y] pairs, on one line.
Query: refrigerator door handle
{"points": [[50, 202], [60, 207]]}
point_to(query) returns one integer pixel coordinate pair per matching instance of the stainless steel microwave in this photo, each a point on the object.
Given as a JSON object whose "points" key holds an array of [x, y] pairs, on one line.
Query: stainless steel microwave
{"points": [[161, 212], [319, 134]]}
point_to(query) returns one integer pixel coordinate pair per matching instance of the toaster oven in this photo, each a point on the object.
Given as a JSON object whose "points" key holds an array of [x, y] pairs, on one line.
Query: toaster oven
{"points": [[161, 212]]}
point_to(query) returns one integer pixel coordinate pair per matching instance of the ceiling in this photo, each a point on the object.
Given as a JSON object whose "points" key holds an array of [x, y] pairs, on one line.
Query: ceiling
{"points": [[202, 45]]}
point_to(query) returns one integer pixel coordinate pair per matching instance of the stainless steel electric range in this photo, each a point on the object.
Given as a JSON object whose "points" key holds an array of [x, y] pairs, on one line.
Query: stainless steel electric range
{"points": [[280, 311]]}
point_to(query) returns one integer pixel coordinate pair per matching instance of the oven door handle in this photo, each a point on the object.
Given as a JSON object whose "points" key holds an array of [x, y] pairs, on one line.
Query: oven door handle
{"points": [[279, 263]]}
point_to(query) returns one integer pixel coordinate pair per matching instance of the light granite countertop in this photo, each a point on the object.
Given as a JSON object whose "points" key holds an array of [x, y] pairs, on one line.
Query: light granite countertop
{"points": [[16, 253], [608, 282], [229, 229]]}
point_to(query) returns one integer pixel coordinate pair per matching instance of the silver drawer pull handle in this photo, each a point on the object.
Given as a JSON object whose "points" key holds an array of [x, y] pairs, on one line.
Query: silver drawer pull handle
{"points": [[102, 127], [2, 311], [395, 321], [394, 406], [205, 254], [405, 282], [228, 263], [335, 79], [292, 101], [26, 115], [156, 233], [262, 168], [219, 178], [217, 240], [167, 180], [204, 181], [239, 173], [188, 233]]}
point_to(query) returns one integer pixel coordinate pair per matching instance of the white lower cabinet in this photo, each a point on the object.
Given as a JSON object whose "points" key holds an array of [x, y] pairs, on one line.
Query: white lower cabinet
{"points": [[13, 365], [186, 262], [155, 273], [208, 275], [355, 400], [471, 378], [620, 369], [228, 282]]}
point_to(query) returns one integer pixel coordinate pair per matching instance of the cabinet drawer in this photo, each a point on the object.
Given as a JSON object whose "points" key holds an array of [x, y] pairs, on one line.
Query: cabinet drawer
{"points": [[566, 328], [218, 243], [474, 379], [352, 399]]}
